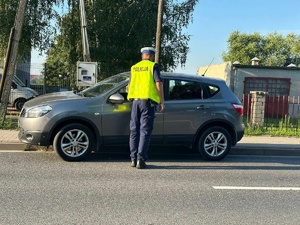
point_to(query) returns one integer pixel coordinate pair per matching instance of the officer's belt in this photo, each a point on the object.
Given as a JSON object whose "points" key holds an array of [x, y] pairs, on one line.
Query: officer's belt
{"points": [[142, 99]]}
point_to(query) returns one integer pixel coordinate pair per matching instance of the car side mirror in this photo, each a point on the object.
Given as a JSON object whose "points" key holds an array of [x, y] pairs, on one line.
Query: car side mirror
{"points": [[116, 98]]}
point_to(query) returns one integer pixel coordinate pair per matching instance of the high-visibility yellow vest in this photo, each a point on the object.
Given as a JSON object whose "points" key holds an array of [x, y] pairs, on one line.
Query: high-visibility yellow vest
{"points": [[142, 84]]}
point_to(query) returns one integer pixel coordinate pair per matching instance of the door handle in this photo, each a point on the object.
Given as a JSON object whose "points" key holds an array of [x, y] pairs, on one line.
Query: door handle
{"points": [[202, 107]]}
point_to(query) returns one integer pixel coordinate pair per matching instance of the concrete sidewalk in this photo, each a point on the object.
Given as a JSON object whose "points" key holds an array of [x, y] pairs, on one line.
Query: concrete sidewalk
{"points": [[266, 145], [249, 145], [9, 140], [9, 137]]}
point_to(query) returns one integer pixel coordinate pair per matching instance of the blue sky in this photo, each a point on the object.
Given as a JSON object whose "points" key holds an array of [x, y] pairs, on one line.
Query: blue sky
{"points": [[214, 20]]}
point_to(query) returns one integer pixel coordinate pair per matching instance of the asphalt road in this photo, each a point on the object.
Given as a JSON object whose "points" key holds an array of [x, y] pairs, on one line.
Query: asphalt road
{"points": [[40, 188]]}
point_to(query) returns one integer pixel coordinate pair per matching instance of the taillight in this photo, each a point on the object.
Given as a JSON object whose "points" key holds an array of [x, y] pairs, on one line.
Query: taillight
{"points": [[238, 108]]}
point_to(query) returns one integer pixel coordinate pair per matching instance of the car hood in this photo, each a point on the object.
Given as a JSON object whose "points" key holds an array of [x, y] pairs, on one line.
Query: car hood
{"points": [[57, 96]]}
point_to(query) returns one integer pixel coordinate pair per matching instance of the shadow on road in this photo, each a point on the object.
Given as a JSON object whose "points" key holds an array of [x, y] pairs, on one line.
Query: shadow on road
{"points": [[222, 167], [186, 159]]}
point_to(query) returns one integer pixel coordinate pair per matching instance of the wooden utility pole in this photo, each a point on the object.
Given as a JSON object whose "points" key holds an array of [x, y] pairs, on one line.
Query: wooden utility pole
{"points": [[85, 41], [158, 30], [10, 59]]}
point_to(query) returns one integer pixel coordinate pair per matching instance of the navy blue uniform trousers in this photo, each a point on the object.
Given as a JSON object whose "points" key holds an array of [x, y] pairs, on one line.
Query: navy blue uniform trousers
{"points": [[141, 126]]}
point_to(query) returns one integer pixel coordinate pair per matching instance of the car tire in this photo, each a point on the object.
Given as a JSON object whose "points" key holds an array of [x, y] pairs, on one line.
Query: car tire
{"points": [[214, 143], [73, 142], [19, 104]]}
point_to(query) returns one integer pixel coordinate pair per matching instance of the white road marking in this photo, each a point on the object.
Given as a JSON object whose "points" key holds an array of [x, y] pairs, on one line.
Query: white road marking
{"points": [[257, 188]]}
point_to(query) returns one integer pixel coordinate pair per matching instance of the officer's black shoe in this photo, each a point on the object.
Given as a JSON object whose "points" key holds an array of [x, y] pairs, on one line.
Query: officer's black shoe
{"points": [[133, 163], [140, 164]]}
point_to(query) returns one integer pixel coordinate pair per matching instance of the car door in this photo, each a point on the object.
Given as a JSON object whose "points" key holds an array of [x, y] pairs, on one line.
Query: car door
{"points": [[116, 122], [186, 109]]}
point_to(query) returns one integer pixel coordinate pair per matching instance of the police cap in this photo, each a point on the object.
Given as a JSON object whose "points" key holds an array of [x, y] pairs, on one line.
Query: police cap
{"points": [[148, 50]]}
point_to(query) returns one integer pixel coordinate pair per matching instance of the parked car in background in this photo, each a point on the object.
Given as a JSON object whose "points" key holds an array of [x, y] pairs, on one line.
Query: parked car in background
{"points": [[19, 93], [200, 112]]}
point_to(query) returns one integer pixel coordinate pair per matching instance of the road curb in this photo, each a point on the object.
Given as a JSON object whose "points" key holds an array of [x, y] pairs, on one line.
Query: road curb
{"points": [[265, 151], [12, 146]]}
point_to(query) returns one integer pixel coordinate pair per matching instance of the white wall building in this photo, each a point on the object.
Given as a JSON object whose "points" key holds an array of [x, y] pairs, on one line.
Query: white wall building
{"points": [[277, 81]]}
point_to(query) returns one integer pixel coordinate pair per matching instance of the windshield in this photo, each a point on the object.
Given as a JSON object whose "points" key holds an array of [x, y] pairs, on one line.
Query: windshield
{"points": [[104, 85], [18, 81]]}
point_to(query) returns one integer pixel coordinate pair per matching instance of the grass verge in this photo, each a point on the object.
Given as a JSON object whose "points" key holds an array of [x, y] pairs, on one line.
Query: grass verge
{"points": [[8, 124]]}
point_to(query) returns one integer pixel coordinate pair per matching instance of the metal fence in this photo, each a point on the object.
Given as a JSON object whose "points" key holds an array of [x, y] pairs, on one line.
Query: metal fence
{"points": [[278, 112], [44, 89]]}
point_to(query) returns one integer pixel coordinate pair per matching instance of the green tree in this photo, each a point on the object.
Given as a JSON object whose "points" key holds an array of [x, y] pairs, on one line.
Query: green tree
{"points": [[273, 49], [118, 29], [276, 50], [37, 30], [243, 47], [294, 54], [64, 53]]}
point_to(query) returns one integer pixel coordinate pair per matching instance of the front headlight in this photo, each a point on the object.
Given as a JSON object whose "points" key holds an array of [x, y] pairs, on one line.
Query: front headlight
{"points": [[38, 111]]}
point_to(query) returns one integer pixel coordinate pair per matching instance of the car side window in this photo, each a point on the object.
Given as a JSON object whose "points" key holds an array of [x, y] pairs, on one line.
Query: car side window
{"points": [[181, 89], [212, 90]]}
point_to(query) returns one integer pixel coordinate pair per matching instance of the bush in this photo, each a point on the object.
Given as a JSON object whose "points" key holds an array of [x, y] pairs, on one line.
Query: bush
{"points": [[8, 124]]}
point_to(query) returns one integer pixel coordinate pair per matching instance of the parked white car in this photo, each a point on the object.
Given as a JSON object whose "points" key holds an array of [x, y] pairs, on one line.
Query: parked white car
{"points": [[19, 93]]}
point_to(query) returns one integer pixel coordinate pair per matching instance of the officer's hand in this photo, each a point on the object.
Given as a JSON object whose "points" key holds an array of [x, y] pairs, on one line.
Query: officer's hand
{"points": [[161, 107]]}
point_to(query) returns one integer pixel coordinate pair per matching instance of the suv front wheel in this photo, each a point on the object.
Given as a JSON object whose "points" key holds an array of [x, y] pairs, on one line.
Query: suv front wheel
{"points": [[214, 143], [73, 142]]}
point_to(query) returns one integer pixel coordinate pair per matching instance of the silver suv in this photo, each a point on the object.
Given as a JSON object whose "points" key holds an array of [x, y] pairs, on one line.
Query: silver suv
{"points": [[200, 112]]}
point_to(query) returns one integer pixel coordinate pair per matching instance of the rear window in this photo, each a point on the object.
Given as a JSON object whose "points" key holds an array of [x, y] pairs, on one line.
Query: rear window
{"points": [[212, 90]]}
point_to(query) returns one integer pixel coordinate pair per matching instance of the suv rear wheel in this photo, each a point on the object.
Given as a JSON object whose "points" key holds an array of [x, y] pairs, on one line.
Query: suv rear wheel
{"points": [[73, 142], [214, 144]]}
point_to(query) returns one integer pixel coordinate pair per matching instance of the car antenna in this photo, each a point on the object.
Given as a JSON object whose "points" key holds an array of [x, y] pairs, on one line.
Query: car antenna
{"points": [[208, 67]]}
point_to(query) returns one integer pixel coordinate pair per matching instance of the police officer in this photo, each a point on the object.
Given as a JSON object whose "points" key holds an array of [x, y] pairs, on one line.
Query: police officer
{"points": [[145, 92]]}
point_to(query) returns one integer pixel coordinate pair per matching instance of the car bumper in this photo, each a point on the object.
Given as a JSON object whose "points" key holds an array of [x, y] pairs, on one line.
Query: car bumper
{"points": [[239, 135], [34, 137]]}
